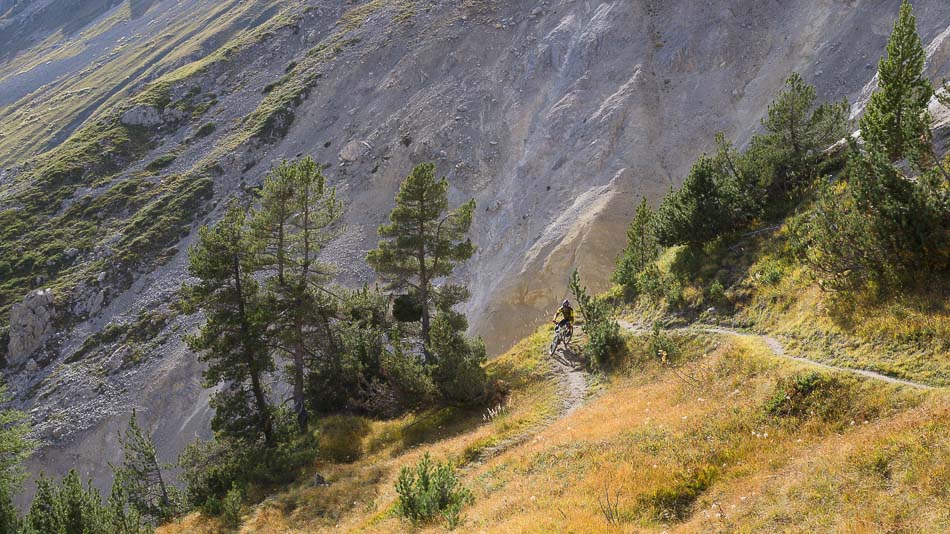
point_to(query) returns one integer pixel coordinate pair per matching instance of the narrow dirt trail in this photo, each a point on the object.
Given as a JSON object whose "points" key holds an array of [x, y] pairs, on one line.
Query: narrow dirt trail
{"points": [[573, 381], [569, 371], [775, 346]]}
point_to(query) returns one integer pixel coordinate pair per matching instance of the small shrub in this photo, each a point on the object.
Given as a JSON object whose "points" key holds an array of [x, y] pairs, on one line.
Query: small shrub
{"points": [[408, 376], [232, 505], [605, 344], [716, 293], [810, 394], [662, 345], [458, 371], [206, 130], [430, 490], [211, 469], [674, 293], [161, 162], [651, 282], [769, 273]]}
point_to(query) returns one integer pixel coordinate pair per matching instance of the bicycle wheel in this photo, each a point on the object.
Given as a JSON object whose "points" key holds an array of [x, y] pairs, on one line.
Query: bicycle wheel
{"points": [[554, 343]]}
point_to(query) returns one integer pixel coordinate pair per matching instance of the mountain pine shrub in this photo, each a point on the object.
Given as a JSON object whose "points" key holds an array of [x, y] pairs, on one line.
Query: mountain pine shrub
{"points": [[430, 490], [605, 345]]}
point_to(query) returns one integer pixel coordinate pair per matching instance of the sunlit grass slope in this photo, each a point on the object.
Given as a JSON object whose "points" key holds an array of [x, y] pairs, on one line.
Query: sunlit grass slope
{"points": [[720, 437], [361, 458], [757, 282]]}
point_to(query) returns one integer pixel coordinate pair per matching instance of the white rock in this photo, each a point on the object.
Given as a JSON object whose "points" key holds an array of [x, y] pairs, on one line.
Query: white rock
{"points": [[142, 116], [353, 151], [30, 325]]}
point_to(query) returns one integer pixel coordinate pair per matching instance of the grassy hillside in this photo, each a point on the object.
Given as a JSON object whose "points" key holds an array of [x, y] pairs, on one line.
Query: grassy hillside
{"points": [[756, 282], [690, 431], [715, 434]]}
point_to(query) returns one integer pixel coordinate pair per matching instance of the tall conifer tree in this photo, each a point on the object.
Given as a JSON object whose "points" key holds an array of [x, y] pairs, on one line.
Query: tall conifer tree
{"points": [[896, 121], [140, 478], [642, 247], [297, 218], [231, 341], [423, 242]]}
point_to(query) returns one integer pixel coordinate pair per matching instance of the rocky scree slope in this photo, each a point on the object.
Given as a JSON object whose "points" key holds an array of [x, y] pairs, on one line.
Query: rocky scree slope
{"points": [[555, 116]]}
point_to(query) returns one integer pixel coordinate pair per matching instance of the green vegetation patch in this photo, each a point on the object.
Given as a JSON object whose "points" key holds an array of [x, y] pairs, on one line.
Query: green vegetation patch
{"points": [[162, 162]]}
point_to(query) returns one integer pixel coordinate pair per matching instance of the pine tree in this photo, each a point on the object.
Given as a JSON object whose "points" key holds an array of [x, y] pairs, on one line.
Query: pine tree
{"points": [[799, 131], [47, 511], [698, 211], [140, 479], [296, 220], [896, 121], [231, 341], [423, 243], [9, 519], [124, 518], [15, 448], [458, 373], [15, 445], [83, 512], [642, 248]]}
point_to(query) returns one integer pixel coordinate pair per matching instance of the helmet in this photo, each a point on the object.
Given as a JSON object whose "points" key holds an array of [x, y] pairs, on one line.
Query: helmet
{"points": [[566, 303]]}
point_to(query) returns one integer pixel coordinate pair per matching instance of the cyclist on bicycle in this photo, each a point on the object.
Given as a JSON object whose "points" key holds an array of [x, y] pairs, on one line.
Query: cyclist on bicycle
{"points": [[567, 314]]}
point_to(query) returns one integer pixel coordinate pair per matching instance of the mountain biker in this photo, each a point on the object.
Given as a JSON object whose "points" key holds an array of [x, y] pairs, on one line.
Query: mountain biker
{"points": [[567, 312]]}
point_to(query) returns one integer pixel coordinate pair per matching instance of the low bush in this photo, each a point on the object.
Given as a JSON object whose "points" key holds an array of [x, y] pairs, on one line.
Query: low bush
{"points": [[232, 506], [206, 130], [662, 346], [211, 469], [605, 346], [805, 395], [458, 372], [430, 490], [162, 162]]}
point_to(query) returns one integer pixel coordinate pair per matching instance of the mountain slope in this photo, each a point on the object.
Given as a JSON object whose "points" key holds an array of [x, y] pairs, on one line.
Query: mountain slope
{"points": [[552, 115], [717, 437]]}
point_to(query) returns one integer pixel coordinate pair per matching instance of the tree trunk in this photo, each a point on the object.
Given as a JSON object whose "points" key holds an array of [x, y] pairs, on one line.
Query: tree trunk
{"points": [[300, 405], [256, 387], [424, 301]]}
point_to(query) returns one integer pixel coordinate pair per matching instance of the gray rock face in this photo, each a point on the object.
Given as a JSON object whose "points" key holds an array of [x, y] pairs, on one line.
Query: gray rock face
{"points": [[30, 325], [150, 117]]}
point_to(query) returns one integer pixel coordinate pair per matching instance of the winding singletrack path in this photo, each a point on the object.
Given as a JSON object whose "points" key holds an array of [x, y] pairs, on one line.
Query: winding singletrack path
{"points": [[571, 376], [778, 350]]}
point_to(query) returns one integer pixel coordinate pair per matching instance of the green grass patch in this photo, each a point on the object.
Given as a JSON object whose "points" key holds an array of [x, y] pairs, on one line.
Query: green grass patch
{"points": [[162, 162]]}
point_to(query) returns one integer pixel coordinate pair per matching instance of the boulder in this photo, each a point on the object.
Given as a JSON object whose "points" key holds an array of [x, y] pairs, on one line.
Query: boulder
{"points": [[150, 116], [117, 359], [142, 116], [353, 151], [31, 323]]}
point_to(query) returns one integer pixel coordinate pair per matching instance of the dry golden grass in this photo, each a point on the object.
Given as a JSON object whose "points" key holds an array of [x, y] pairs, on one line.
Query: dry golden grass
{"points": [[907, 336], [361, 492], [695, 450]]}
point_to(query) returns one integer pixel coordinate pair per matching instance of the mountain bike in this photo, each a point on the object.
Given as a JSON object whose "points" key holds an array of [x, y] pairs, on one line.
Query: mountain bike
{"points": [[562, 335]]}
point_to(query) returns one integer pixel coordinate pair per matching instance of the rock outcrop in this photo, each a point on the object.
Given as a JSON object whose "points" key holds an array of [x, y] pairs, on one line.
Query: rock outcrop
{"points": [[150, 116], [31, 323]]}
